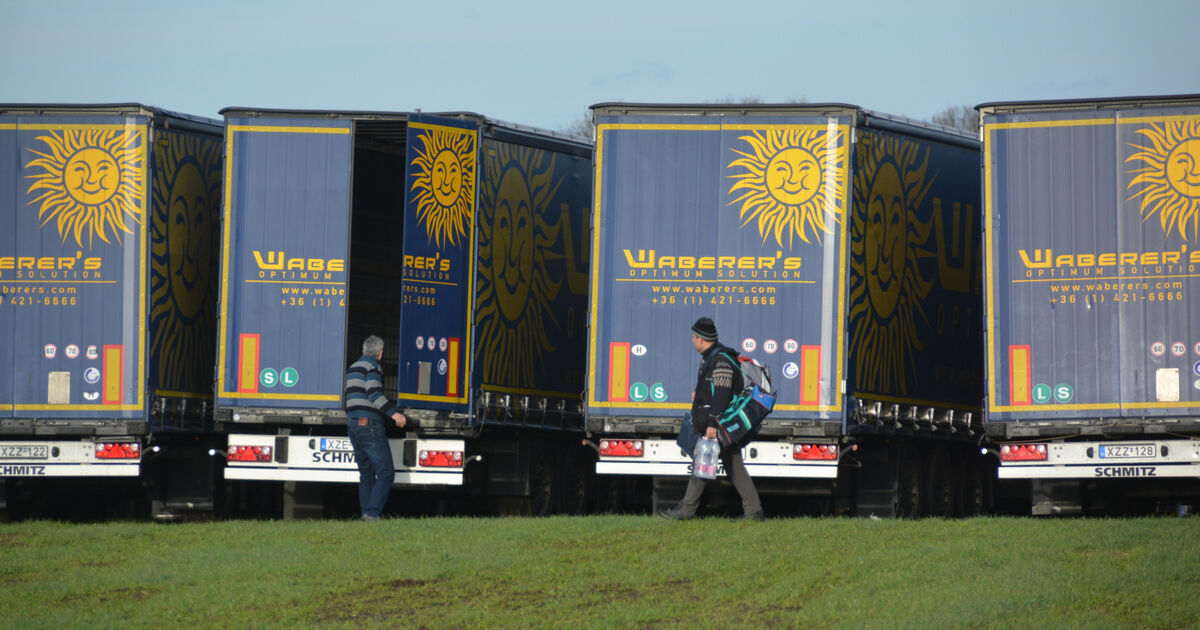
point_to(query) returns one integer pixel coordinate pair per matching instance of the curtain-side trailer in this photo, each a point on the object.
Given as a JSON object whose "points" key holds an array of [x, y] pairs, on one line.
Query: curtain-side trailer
{"points": [[461, 241], [107, 301], [1092, 212], [838, 246]]}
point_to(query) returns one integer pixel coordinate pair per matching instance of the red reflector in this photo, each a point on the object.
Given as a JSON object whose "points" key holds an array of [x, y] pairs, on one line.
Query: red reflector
{"points": [[1023, 453], [118, 450], [815, 451], [249, 453], [441, 459], [622, 448]]}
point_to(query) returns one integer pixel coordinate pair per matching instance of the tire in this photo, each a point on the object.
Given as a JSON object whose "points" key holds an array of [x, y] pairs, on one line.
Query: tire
{"points": [[541, 486], [942, 474], [909, 486]]}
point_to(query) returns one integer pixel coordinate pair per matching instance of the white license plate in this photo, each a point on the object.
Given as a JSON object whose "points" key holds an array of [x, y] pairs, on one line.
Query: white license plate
{"points": [[336, 444], [1119, 451], [25, 451]]}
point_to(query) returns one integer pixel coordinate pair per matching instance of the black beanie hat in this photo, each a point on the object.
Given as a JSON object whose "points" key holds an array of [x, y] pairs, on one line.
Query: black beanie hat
{"points": [[705, 329]]}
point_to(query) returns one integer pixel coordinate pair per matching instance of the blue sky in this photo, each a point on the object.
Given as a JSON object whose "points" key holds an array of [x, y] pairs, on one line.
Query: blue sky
{"points": [[543, 63]]}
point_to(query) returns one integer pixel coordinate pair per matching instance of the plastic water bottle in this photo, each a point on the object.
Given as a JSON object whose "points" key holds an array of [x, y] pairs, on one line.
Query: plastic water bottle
{"points": [[708, 453]]}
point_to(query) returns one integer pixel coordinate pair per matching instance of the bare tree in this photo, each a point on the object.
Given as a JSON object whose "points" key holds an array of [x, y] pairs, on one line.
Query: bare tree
{"points": [[581, 126], [733, 100], [960, 117]]}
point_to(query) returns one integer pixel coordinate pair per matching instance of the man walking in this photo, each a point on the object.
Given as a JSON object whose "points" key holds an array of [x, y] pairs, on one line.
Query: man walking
{"points": [[716, 382], [366, 407]]}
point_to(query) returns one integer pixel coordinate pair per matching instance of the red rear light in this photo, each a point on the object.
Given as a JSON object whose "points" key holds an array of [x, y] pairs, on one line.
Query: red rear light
{"points": [[249, 453], [1023, 453], [622, 448], [441, 459], [815, 451], [118, 450]]}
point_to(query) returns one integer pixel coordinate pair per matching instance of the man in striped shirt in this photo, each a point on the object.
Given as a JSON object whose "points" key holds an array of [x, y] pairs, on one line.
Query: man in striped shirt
{"points": [[366, 408]]}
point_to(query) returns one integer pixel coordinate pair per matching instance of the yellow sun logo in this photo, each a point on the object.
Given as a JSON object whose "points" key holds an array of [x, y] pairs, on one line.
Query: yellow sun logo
{"points": [[1170, 177], [444, 183], [184, 227], [516, 289], [783, 182], [92, 182], [890, 244]]}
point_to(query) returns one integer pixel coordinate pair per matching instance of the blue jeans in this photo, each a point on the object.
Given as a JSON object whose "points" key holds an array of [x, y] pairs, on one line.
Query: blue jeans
{"points": [[375, 469]]}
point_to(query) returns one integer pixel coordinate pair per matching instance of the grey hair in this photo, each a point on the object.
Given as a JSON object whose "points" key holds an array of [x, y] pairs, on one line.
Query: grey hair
{"points": [[372, 346]]}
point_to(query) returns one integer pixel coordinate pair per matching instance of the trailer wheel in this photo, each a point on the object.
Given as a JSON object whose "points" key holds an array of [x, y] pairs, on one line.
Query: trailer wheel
{"points": [[942, 472], [541, 486], [971, 490], [609, 496], [576, 485], [908, 491]]}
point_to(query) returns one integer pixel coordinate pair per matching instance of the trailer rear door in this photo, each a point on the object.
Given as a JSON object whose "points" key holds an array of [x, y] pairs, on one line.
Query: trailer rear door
{"points": [[284, 261], [73, 264], [8, 245], [1091, 273], [439, 262], [693, 219]]}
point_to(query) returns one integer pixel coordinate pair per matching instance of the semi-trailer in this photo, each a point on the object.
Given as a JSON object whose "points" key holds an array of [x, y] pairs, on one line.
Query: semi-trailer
{"points": [[458, 239], [107, 309], [1092, 213], [836, 245]]}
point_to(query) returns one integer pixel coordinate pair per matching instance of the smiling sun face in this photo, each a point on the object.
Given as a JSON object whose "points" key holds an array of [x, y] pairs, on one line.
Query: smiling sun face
{"points": [[184, 228], [1169, 179], [889, 244], [783, 183], [92, 182], [516, 289], [444, 183]]}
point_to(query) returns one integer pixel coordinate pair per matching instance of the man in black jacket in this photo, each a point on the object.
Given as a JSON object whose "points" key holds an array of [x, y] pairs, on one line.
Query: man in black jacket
{"points": [[716, 383]]}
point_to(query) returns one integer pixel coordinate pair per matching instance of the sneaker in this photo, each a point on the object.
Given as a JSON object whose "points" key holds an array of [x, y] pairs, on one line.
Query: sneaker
{"points": [[754, 516], [367, 517], [674, 514]]}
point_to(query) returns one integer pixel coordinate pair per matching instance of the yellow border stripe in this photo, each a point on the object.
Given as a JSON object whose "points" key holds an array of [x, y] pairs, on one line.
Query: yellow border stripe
{"points": [[988, 254], [288, 129], [73, 127], [262, 396], [1083, 122], [594, 294], [473, 254], [144, 254], [77, 407], [226, 231]]}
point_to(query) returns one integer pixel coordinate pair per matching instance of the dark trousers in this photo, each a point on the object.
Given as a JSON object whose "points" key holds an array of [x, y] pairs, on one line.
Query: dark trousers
{"points": [[376, 472], [736, 469]]}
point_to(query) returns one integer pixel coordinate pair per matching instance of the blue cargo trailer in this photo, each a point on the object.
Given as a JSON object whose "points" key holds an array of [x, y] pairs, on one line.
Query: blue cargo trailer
{"points": [[107, 302], [1093, 360], [458, 239], [838, 246]]}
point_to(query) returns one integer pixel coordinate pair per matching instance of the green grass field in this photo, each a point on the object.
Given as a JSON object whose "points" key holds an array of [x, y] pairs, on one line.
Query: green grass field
{"points": [[604, 572]]}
